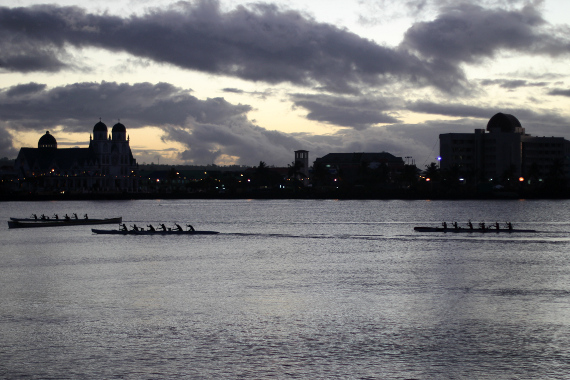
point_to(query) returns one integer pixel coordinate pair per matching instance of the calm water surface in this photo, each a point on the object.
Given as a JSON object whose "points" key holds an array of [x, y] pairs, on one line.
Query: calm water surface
{"points": [[288, 289]]}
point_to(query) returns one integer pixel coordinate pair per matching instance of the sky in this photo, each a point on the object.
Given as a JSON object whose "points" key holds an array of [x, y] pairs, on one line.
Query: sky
{"points": [[233, 82]]}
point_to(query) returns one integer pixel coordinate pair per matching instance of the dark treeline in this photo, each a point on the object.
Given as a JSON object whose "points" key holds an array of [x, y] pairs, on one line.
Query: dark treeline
{"points": [[264, 182]]}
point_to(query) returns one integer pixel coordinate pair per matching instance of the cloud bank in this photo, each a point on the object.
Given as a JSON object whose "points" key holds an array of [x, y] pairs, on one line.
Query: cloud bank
{"points": [[264, 43], [209, 129]]}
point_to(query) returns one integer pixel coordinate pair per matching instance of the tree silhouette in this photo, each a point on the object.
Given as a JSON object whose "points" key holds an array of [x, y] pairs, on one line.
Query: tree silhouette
{"points": [[295, 172], [262, 174], [432, 172]]}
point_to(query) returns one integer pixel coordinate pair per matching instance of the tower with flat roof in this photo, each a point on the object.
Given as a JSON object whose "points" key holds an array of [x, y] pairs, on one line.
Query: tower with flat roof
{"points": [[302, 157]]}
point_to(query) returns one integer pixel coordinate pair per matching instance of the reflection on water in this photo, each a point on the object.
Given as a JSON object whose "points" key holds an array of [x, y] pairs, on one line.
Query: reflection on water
{"points": [[300, 289]]}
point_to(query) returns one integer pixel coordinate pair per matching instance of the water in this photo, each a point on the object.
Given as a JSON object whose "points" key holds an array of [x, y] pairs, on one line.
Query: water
{"points": [[288, 289]]}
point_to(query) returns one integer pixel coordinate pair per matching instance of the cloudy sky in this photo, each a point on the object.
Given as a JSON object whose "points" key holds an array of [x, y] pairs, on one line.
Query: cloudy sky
{"points": [[232, 82]]}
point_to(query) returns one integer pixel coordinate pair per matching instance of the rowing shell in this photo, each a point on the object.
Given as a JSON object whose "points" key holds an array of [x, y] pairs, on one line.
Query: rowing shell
{"points": [[486, 230], [148, 232], [63, 222]]}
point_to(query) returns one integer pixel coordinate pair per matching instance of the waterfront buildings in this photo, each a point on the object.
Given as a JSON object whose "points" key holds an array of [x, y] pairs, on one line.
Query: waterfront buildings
{"points": [[354, 167], [107, 165], [504, 150]]}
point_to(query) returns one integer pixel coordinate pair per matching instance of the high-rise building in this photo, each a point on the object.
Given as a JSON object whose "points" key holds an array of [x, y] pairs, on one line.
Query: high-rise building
{"points": [[503, 149]]}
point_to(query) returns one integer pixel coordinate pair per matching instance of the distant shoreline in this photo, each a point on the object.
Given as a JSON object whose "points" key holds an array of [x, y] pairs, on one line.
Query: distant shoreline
{"points": [[268, 196]]}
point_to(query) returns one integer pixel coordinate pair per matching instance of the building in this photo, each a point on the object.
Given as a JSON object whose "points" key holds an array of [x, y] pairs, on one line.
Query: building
{"points": [[107, 165], [302, 160], [503, 150], [354, 167]]}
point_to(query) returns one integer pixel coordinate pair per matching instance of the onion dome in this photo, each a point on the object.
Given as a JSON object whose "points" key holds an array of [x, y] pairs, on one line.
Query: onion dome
{"points": [[47, 141], [502, 122], [100, 127], [119, 128]]}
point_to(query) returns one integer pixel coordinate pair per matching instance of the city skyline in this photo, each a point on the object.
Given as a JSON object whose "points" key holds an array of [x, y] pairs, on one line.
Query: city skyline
{"points": [[229, 82]]}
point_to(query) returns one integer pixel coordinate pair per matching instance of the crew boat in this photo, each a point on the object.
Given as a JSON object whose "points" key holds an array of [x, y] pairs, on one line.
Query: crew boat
{"points": [[56, 221], [151, 230], [455, 228]]}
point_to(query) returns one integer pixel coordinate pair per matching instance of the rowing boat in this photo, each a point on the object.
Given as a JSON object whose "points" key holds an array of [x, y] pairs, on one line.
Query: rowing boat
{"points": [[469, 230], [150, 232], [43, 218], [62, 222], [39, 220]]}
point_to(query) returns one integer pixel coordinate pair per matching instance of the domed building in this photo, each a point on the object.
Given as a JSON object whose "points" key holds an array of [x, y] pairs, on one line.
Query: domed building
{"points": [[107, 165], [504, 123], [47, 141], [503, 150]]}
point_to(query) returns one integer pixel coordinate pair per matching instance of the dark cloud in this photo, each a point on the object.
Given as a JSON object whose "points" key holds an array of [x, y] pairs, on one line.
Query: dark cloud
{"points": [[450, 109], [257, 94], [559, 92], [75, 106], [21, 54], [253, 144], [256, 43], [237, 137], [512, 83], [233, 90], [354, 112], [25, 89], [467, 33], [7, 148]]}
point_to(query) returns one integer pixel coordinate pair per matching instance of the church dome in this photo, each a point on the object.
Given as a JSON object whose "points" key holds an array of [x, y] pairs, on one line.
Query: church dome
{"points": [[503, 122], [119, 128], [100, 127], [47, 141]]}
